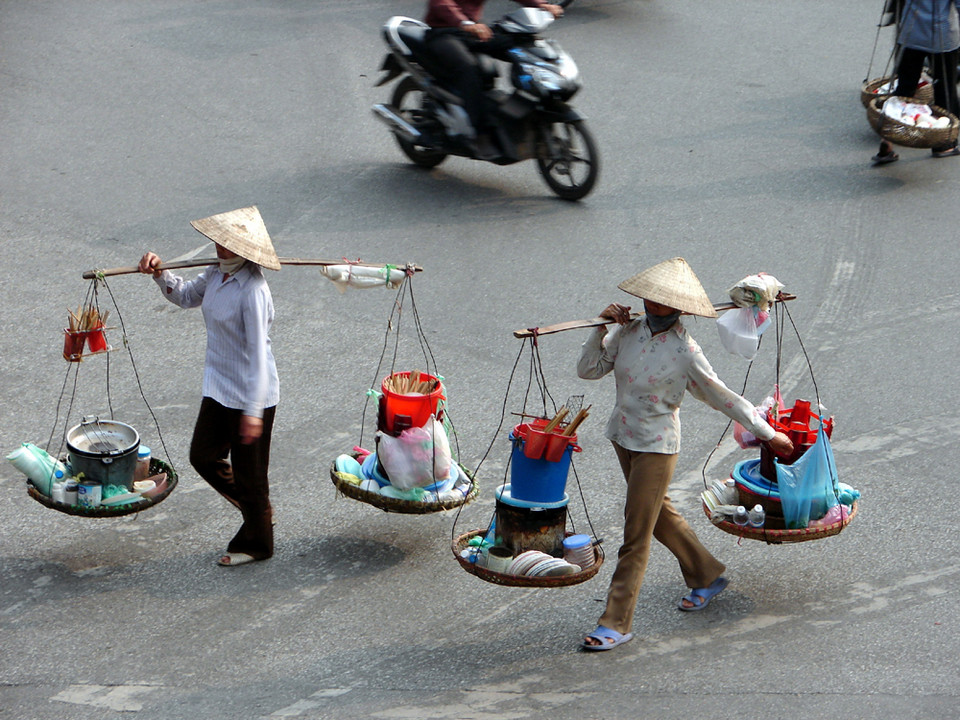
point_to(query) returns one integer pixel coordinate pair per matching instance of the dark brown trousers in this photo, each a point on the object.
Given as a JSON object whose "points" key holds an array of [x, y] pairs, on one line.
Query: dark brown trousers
{"points": [[241, 479]]}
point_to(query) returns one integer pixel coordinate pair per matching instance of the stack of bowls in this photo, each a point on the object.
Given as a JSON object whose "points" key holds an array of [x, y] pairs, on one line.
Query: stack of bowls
{"points": [[578, 550], [534, 563]]}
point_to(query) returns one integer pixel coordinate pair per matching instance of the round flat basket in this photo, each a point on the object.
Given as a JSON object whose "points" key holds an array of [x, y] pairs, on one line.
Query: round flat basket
{"points": [[396, 505], [108, 511], [900, 133], [776, 537], [520, 580], [868, 91]]}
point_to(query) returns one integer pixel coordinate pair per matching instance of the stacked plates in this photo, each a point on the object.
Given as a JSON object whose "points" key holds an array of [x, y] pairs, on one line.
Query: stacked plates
{"points": [[578, 550], [534, 563]]}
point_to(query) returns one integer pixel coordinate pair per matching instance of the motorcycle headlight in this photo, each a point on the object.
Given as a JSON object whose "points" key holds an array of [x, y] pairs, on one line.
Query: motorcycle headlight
{"points": [[545, 81]]}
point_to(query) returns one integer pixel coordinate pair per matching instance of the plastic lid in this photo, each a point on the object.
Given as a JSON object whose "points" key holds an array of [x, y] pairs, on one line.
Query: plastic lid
{"points": [[576, 541], [143, 452]]}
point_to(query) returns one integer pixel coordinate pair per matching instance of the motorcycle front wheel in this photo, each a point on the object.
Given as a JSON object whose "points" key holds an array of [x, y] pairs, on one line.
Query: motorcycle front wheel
{"points": [[568, 159], [407, 100]]}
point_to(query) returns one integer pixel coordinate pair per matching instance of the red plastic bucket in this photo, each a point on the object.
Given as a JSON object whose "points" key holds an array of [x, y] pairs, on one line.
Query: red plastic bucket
{"points": [[401, 411], [795, 424]]}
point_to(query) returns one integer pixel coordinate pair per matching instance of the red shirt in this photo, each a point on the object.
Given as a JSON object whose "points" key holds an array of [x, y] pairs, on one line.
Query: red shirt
{"points": [[450, 13]]}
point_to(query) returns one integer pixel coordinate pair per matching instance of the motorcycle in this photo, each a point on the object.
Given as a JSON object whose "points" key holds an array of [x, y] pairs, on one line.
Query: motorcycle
{"points": [[533, 121]]}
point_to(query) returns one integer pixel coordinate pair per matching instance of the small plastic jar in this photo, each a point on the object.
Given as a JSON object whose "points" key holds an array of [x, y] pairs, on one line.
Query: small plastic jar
{"points": [[142, 470]]}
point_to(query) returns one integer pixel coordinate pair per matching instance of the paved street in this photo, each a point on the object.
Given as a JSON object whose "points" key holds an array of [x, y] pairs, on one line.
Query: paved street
{"points": [[731, 134]]}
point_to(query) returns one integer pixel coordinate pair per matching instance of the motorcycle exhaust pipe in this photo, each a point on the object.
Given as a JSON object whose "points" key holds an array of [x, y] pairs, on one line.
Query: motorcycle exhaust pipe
{"points": [[396, 123]]}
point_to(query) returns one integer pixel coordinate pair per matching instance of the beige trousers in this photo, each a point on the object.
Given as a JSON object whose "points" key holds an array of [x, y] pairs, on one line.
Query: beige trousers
{"points": [[648, 513]]}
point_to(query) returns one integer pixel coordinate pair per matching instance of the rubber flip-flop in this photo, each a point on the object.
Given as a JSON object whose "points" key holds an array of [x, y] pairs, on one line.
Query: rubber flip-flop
{"points": [[701, 597], [607, 638], [950, 152], [889, 157], [230, 559]]}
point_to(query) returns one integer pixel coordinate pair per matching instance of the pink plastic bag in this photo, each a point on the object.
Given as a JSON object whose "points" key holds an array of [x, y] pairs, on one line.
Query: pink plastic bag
{"points": [[417, 457], [744, 437]]}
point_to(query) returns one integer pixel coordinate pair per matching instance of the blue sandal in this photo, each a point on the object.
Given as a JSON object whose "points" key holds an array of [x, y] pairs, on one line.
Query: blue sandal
{"points": [[700, 597], [607, 638]]}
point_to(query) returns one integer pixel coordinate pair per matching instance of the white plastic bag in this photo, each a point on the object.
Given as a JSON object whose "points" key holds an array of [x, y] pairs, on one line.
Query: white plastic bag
{"points": [[418, 457], [363, 276], [738, 332]]}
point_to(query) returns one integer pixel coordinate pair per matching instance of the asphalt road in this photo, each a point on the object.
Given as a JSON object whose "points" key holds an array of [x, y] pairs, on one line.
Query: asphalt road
{"points": [[731, 134]]}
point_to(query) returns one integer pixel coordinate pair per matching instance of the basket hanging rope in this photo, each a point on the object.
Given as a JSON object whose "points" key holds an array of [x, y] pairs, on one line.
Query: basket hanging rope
{"points": [[411, 406], [529, 557], [86, 336], [773, 535]]}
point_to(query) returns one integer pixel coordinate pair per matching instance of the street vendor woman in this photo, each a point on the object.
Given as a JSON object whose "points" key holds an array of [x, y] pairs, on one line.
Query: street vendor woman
{"points": [[240, 385], [655, 362]]}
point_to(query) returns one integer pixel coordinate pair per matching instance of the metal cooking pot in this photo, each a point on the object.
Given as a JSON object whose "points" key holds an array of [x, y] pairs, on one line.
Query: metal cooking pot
{"points": [[104, 450]]}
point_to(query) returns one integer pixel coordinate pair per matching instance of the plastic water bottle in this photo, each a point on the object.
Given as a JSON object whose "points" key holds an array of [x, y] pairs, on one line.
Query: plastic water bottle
{"points": [[756, 516], [730, 494], [740, 516]]}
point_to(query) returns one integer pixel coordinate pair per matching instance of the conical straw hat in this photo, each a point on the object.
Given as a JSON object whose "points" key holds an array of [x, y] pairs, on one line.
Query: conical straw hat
{"points": [[671, 283], [242, 232]]}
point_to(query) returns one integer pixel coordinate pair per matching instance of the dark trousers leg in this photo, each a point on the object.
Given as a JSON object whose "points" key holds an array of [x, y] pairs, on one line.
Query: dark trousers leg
{"points": [[243, 479], [909, 68], [459, 72]]}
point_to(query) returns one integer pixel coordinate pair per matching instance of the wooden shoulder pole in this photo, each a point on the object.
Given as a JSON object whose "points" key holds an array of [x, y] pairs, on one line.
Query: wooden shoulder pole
{"points": [[202, 262], [597, 321]]}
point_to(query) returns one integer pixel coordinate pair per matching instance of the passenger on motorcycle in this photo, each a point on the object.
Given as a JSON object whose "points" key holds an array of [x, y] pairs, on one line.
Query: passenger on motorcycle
{"points": [[456, 34]]}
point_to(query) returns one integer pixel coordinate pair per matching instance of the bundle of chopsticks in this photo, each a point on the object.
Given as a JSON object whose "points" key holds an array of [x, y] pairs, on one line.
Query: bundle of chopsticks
{"points": [[411, 384], [86, 319], [571, 427]]}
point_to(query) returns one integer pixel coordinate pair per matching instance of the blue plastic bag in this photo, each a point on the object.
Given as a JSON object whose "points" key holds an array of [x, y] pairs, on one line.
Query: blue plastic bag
{"points": [[809, 487]]}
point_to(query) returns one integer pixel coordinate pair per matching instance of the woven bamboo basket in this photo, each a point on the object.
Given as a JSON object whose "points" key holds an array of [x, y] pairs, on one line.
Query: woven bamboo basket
{"points": [[900, 133], [868, 91], [107, 511], [496, 578], [395, 505], [776, 537]]}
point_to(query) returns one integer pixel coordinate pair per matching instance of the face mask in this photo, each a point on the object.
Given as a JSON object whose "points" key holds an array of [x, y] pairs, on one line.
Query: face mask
{"points": [[658, 323], [229, 267]]}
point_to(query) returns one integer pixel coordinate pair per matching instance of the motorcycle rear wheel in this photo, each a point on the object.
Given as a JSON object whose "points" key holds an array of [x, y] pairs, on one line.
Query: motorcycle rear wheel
{"points": [[571, 170], [407, 100]]}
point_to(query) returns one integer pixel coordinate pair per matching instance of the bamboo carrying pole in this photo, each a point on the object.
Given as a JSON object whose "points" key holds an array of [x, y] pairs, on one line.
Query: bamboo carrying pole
{"points": [[202, 262], [597, 321]]}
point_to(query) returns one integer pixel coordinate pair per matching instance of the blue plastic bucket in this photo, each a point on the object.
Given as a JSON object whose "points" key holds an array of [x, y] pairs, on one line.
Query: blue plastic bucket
{"points": [[538, 481]]}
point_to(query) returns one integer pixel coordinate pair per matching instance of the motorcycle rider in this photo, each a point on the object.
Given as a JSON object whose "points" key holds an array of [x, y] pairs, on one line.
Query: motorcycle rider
{"points": [[456, 34]]}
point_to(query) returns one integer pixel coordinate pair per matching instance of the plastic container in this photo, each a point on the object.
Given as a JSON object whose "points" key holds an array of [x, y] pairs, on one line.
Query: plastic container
{"points": [[578, 550], [96, 340], [756, 516], [538, 481], [740, 516], [796, 424], [400, 412], [70, 492], [142, 469], [539, 444], [39, 466]]}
